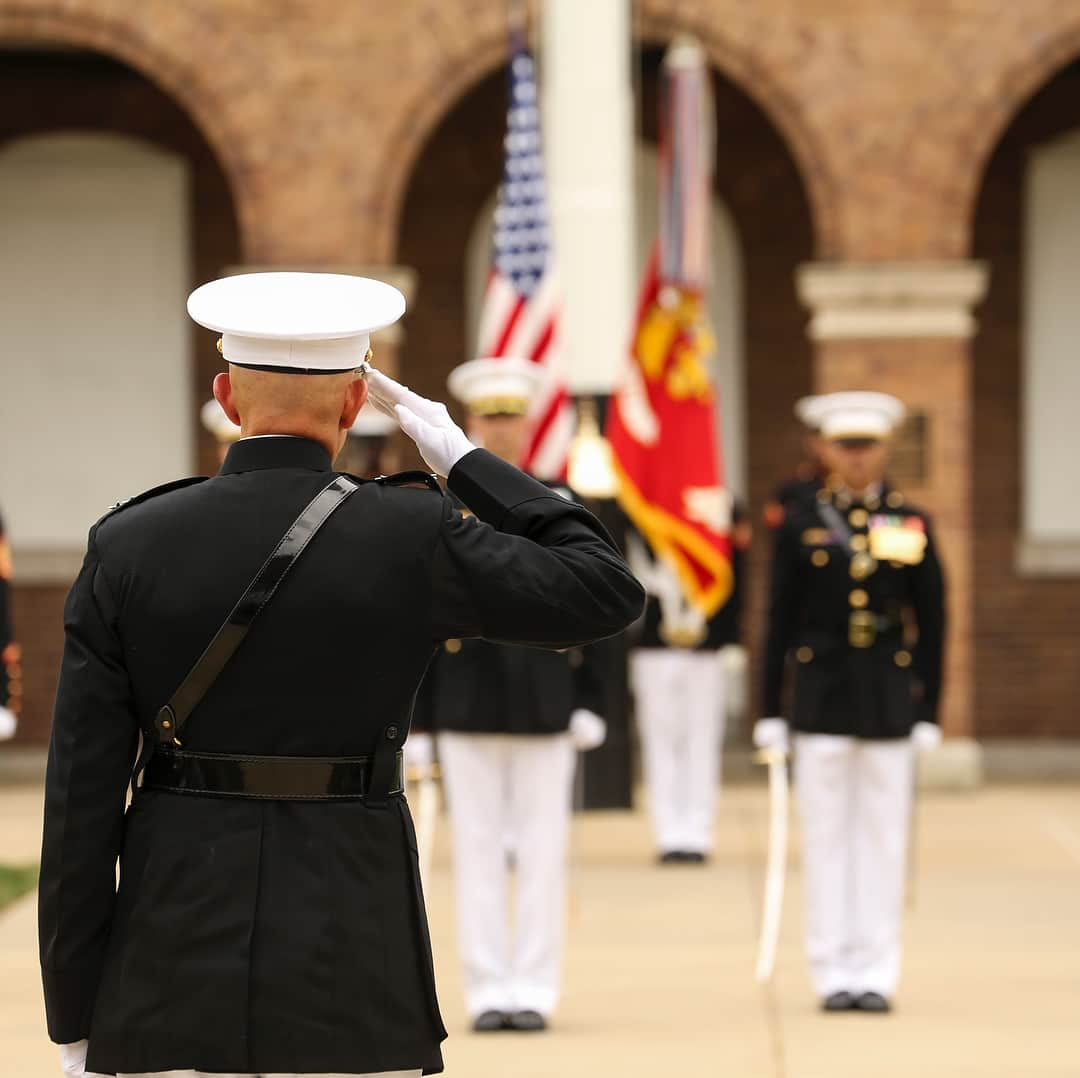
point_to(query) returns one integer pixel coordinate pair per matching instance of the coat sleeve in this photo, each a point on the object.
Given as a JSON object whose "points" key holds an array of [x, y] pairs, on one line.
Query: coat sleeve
{"points": [[91, 753], [928, 599], [785, 603], [530, 568]]}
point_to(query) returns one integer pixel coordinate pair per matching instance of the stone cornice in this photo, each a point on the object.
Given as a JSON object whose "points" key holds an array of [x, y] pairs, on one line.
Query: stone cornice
{"points": [[874, 300]]}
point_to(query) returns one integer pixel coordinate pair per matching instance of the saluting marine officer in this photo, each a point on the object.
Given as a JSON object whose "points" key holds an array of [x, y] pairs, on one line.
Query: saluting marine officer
{"points": [[269, 917], [508, 720], [855, 573]]}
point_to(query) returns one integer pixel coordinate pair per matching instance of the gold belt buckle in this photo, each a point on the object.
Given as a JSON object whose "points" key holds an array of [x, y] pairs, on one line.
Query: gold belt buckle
{"points": [[681, 636], [862, 629]]}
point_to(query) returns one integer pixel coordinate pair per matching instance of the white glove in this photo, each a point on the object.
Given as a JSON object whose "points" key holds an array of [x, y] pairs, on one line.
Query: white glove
{"points": [[771, 734], [419, 751], [8, 723], [587, 729], [925, 736], [442, 443], [73, 1058]]}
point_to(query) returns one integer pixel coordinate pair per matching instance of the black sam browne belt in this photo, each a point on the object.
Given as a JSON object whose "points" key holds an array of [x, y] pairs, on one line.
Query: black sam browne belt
{"points": [[169, 765], [278, 778]]}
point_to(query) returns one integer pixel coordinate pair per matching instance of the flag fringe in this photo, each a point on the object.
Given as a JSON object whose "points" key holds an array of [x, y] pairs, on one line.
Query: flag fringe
{"points": [[667, 534]]}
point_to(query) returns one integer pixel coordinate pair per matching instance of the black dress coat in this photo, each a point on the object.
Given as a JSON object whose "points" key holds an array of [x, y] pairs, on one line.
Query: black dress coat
{"points": [[250, 936], [878, 675], [481, 687]]}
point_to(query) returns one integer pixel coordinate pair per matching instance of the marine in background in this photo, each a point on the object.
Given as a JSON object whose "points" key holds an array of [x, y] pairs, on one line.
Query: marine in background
{"points": [[508, 723], [679, 679], [810, 473], [857, 617]]}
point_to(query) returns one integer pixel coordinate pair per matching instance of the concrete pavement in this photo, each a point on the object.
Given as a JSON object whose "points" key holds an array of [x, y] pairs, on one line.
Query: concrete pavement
{"points": [[659, 967]]}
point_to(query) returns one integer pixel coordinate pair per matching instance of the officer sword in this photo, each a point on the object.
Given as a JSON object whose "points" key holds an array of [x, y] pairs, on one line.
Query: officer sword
{"points": [[776, 863]]}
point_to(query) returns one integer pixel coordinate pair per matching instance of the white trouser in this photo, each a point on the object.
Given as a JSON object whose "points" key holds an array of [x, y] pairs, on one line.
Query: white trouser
{"points": [[679, 703], [499, 785], [854, 802]]}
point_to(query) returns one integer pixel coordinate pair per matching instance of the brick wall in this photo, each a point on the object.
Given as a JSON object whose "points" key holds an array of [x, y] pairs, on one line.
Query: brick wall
{"points": [[1026, 675], [55, 91]]}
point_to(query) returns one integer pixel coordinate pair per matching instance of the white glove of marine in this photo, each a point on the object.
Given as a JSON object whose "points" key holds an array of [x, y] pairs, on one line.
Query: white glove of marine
{"points": [[587, 729], [73, 1058], [925, 736], [442, 443], [419, 751], [771, 734], [8, 723]]}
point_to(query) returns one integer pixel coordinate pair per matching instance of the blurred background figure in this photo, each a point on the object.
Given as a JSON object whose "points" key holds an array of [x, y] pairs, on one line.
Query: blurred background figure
{"points": [[508, 721], [224, 430], [370, 448], [10, 665], [670, 482], [680, 682], [803, 486], [857, 597]]}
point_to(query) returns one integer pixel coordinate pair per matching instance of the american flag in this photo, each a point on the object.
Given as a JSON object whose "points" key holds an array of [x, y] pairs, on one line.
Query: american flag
{"points": [[520, 314]]}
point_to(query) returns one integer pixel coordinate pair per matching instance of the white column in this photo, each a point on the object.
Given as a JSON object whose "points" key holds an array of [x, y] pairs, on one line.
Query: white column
{"points": [[588, 146]]}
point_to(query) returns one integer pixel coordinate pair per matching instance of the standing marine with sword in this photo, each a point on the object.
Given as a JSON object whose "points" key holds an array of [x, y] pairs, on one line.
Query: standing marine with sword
{"points": [[858, 599]]}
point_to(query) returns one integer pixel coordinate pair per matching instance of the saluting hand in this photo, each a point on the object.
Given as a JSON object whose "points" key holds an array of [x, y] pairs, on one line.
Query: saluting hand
{"points": [[442, 443]]}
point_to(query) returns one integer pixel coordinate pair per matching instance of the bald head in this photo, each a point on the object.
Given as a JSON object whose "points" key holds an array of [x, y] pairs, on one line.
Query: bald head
{"points": [[321, 407]]}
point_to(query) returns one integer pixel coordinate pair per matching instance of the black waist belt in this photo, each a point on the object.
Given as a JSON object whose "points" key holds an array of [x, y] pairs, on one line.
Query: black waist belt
{"points": [[275, 778]]}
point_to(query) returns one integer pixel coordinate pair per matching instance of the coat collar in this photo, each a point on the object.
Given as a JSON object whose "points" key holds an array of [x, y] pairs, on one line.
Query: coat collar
{"points": [[275, 451]]}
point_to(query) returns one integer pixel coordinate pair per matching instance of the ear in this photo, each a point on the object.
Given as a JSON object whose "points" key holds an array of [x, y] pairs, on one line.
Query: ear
{"points": [[224, 395], [355, 396]]}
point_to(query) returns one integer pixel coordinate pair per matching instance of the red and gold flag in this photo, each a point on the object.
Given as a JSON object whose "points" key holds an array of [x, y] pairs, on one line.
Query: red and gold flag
{"points": [[662, 423], [662, 430]]}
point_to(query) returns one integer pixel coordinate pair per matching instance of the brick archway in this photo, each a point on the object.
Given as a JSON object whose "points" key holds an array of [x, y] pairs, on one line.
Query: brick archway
{"points": [[475, 59], [124, 40], [1019, 79], [655, 22]]}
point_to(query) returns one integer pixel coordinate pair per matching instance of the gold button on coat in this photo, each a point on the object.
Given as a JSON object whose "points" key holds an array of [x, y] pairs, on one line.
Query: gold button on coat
{"points": [[804, 654], [894, 499], [902, 659], [858, 598], [857, 518], [453, 646], [859, 542], [820, 558]]}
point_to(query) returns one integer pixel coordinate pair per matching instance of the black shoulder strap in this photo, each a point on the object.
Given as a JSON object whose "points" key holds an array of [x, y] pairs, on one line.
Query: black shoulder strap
{"points": [[153, 492], [410, 479], [171, 718]]}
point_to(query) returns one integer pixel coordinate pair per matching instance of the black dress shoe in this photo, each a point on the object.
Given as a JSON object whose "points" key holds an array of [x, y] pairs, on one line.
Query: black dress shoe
{"points": [[670, 857], [693, 857], [874, 1002], [839, 1001], [528, 1021], [489, 1022]]}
